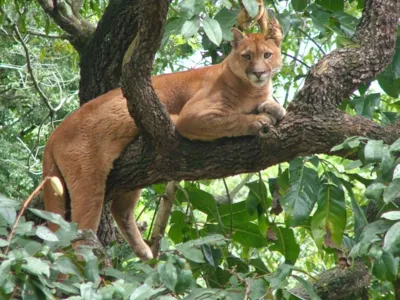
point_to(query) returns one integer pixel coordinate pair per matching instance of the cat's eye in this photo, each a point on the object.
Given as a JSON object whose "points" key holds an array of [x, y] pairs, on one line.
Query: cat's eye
{"points": [[246, 56], [267, 55]]}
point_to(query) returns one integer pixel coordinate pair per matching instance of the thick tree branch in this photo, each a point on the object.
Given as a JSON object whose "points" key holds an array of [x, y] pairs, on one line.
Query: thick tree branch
{"points": [[68, 18], [298, 134], [343, 70], [148, 112]]}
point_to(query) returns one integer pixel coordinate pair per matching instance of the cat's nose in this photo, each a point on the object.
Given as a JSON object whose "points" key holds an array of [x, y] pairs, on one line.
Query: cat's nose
{"points": [[259, 74]]}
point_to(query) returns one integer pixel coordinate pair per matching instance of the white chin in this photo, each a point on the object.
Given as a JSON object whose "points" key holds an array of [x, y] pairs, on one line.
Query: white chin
{"points": [[260, 83]]}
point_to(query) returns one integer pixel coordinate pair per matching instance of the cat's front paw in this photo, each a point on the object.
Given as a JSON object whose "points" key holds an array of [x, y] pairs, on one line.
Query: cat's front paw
{"points": [[273, 108], [262, 122]]}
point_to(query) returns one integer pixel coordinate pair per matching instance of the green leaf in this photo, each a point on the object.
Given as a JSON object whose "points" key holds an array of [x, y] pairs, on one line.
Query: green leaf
{"points": [[3, 243], [349, 143], [226, 19], [256, 198], [360, 220], [9, 215], [331, 4], [88, 292], [387, 164], [391, 242], [249, 235], [29, 291], [278, 278], [251, 7], [213, 30], [299, 5], [366, 104], [185, 279], [373, 151], [329, 220], [46, 234], [389, 118], [392, 191], [144, 292], [66, 288], [259, 265], [308, 287], [204, 202], [389, 83], [54, 218], [191, 253], [258, 288], [300, 199], [190, 27], [396, 60], [391, 215], [66, 266], [385, 266], [286, 243], [239, 211], [189, 8], [374, 191], [35, 266], [5, 268], [395, 147], [91, 269], [8, 203], [396, 172], [168, 275]]}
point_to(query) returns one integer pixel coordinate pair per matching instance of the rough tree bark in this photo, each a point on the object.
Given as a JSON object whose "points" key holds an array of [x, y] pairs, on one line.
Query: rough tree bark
{"points": [[313, 124]]}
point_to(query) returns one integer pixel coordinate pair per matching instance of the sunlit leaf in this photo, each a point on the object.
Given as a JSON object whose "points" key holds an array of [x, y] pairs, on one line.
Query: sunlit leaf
{"points": [[300, 198], [190, 27], [213, 30], [251, 7], [391, 242], [329, 221]]}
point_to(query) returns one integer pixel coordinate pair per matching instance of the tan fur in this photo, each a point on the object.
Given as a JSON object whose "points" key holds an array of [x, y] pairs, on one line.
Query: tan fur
{"points": [[233, 98]]}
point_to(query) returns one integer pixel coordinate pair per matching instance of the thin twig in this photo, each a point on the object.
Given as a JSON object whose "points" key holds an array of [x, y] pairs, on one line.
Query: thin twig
{"points": [[242, 280], [28, 62], [42, 34], [312, 40], [154, 217], [296, 59], [21, 212], [230, 206]]}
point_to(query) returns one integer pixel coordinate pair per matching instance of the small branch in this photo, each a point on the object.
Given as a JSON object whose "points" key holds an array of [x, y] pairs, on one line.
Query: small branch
{"points": [[45, 99], [312, 40], [50, 36], [296, 59], [22, 211], [163, 214], [230, 206], [28, 62], [68, 18], [244, 281]]}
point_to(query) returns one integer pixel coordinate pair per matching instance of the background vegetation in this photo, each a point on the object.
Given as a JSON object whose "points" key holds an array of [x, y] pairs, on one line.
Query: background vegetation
{"points": [[263, 235]]}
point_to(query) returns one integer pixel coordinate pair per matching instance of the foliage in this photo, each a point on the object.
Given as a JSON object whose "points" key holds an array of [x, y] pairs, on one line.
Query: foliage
{"points": [[213, 249]]}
